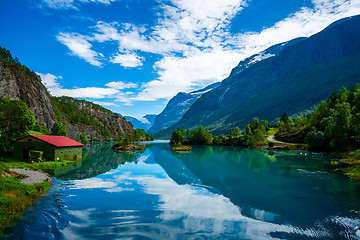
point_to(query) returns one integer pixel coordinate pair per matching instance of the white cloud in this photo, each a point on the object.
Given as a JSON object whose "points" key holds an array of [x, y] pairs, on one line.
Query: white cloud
{"points": [[194, 208], [128, 60], [72, 4], [193, 41], [112, 90], [183, 74], [88, 92], [80, 46], [121, 85], [106, 103], [49, 80], [93, 183]]}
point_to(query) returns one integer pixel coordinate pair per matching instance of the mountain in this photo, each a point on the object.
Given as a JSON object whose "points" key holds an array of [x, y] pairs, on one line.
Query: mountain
{"points": [[286, 78], [20, 83], [145, 123], [176, 108]]}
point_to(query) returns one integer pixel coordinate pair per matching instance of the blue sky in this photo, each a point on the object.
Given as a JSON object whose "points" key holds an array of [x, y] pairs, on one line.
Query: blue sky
{"points": [[132, 56]]}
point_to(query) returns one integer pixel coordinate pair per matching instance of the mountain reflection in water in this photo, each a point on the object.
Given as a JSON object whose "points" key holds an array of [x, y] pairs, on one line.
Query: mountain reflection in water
{"points": [[210, 192]]}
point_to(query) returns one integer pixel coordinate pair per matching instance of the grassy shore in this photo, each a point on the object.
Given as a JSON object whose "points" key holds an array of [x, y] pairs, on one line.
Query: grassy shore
{"points": [[349, 164], [16, 197]]}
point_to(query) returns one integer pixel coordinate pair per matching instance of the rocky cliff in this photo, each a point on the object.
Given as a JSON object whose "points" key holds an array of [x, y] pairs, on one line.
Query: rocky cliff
{"points": [[18, 82]]}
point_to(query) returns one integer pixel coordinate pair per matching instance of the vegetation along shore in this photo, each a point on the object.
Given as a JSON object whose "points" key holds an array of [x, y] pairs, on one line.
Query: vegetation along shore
{"points": [[333, 127]]}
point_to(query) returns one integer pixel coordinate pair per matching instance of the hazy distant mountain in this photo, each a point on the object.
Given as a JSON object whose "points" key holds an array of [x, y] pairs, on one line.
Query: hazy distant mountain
{"points": [[176, 108], [144, 123], [289, 77]]}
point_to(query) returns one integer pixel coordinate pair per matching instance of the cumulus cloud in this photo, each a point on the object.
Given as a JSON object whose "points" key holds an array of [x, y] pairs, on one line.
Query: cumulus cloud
{"points": [[71, 4], [80, 46], [128, 60], [121, 85], [193, 42], [49, 80], [111, 90]]}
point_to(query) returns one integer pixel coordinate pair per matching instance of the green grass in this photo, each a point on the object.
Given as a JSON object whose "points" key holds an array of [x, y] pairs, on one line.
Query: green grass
{"points": [[16, 197], [271, 131], [350, 164], [31, 132], [13, 163]]}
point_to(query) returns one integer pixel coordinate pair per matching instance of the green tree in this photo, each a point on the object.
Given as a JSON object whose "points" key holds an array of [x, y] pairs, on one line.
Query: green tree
{"points": [[15, 122], [178, 136], [82, 138], [58, 129]]}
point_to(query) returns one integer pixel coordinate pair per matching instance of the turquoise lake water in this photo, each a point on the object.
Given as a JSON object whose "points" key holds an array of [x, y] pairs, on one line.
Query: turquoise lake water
{"points": [[209, 193]]}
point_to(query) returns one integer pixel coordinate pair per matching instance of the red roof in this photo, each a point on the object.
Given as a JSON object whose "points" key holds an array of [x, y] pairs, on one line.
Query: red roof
{"points": [[58, 141]]}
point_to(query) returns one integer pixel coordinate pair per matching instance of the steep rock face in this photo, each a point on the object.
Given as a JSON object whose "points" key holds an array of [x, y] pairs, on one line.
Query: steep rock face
{"points": [[176, 108], [18, 82], [289, 77], [18, 86], [117, 126], [98, 123]]}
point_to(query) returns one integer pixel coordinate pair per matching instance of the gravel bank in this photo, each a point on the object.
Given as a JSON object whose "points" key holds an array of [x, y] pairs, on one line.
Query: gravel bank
{"points": [[31, 175]]}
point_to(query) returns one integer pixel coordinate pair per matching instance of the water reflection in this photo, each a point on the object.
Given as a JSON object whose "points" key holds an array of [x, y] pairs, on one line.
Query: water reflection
{"points": [[99, 159], [211, 192]]}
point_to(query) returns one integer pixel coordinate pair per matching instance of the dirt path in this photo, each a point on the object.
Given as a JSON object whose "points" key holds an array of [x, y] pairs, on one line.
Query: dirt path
{"points": [[272, 139], [31, 175]]}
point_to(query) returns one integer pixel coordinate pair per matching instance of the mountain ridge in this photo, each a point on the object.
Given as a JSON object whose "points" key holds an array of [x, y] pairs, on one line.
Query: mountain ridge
{"points": [[176, 108], [303, 72]]}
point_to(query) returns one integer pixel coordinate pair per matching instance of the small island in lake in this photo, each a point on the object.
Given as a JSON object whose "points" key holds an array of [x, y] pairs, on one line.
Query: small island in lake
{"points": [[126, 147], [182, 148]]}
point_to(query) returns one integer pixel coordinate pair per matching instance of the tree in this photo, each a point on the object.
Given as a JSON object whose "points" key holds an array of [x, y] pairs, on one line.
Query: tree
{"points": [[178, 136], [236, 132], [15, 122], [82, 138], [58, 129]]}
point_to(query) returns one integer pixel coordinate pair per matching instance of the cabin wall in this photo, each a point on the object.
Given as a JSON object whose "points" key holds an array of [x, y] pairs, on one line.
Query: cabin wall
{"points": [[68, 153], [48, 149]]}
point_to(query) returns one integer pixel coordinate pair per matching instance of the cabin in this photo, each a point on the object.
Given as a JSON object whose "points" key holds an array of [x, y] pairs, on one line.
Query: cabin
{"points": [[50, 148]]}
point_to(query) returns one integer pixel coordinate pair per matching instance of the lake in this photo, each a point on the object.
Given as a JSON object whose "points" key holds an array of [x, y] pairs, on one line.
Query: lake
{"points": [[210, 193]]}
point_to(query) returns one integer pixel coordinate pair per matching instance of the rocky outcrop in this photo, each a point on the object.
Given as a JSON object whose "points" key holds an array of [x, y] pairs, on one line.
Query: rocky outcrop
{"points": [[16, 85], [116, 125], [20, 83]]}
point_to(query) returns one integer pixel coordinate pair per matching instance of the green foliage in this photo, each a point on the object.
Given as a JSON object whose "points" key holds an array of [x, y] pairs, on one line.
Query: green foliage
{"points": [[17, 68], [333, 126], [200, 136], [82, 138], [255, 134], [16, 197], [178, 136], [138, 135], [75, 111], [41, 129], [234, 133], [58, 129], [15, 122]]}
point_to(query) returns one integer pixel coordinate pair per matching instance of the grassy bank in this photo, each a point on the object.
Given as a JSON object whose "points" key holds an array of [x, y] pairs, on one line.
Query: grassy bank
{"points": [[16, 197], [349, 164]]}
